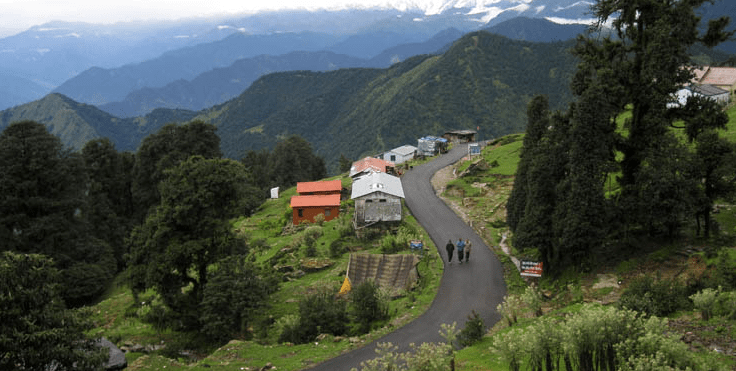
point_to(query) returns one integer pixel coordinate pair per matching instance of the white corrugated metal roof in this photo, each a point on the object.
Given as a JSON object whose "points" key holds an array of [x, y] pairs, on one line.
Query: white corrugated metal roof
{"points": [[404, 150], [377, 182]]}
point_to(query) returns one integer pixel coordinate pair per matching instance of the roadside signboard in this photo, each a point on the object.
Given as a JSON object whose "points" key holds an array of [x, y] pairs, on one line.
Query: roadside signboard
{"points": [[474, 149], [531, 268]]}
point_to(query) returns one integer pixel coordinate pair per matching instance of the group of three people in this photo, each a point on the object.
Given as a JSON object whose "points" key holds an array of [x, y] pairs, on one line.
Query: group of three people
{"points": [[463, 250]]}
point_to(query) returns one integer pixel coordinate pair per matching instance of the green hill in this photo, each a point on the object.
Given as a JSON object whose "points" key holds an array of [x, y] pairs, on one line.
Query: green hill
{"points": [[482, 82], [78, 123]]}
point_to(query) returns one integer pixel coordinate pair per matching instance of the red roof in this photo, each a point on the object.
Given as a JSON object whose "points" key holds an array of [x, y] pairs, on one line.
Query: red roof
{"points": [[720, 76], [370, 163], [315, 200], [322, 187]]}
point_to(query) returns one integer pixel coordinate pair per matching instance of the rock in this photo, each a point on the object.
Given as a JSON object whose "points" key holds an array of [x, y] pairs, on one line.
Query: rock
{"points": [[268, 366], [116, 360]]}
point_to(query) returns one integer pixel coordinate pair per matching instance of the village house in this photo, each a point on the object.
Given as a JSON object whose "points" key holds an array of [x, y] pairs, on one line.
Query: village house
{"points": [[324, 187], [721, 77], [370, 165], [306, 208], [431, 146], [460, 136], [708, 91], [400, 154], [316, 198], [377, 198]]}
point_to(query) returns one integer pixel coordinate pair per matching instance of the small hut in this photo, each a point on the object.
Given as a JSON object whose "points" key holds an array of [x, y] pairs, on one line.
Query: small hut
{"points": [[377, 198]]}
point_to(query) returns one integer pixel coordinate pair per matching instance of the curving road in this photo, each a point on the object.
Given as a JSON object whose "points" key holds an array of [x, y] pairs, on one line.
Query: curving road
{"points": [[477, 285]]}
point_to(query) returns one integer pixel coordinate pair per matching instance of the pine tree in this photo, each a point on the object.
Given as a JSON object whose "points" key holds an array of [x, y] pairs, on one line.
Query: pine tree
{"points": [[538, 122]]}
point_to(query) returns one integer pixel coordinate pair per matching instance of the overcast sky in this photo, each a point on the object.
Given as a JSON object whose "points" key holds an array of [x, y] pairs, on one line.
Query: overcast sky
{"points": [[19, 15]]}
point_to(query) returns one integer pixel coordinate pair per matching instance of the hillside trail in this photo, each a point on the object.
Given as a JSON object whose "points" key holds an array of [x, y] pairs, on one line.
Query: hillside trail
{"points": [[475, 286]]}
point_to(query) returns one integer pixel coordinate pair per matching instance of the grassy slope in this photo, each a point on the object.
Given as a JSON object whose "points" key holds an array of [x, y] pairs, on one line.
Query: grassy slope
{"points": [[119, 318]]}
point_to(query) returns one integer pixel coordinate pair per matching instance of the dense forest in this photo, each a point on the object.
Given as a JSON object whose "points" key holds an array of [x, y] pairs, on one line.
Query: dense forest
{"points": [[71, 221], [621, 163]]}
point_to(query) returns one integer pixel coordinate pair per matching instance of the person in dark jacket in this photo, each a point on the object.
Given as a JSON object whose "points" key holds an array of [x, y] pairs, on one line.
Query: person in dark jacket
{"points": [[450, 249]]}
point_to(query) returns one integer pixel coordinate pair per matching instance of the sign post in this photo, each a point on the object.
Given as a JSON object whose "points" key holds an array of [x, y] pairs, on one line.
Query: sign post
{"points": [[531, 268], [474, 149]]}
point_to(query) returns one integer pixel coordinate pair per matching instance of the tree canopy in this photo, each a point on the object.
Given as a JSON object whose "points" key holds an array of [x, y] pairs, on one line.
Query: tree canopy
{"points": [[165, 149], [43, 209], [190, 230], [560, 204], [37, 331]]}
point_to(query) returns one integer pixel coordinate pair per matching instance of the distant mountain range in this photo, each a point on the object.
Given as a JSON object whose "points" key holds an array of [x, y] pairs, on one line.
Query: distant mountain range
{"points": [[44, 57], [482, 81], [221, 84], [103, 64], [141, 82]]}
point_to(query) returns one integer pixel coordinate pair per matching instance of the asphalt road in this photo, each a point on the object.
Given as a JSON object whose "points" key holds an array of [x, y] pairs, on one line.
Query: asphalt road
{"points": [[477, 285]]}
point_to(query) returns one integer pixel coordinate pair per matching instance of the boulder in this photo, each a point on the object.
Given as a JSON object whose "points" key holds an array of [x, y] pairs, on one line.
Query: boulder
{"points": [[116, 360]]}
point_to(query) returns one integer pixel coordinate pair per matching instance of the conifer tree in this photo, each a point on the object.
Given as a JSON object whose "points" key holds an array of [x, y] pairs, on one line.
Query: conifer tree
{"points": [[538, 121]]}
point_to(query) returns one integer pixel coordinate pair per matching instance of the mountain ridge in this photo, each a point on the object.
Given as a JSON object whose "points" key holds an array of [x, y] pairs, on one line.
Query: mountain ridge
{"points": [[221, 84]]}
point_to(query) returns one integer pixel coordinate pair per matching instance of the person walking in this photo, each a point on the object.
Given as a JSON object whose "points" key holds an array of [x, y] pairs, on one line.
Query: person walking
{"points": [[450, 248], [460, 248], [468, 248]]}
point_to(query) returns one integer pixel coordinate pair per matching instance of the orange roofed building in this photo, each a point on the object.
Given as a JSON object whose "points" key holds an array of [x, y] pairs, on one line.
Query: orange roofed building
{"points": [[319, 188], [306, 208], [371, 164]]}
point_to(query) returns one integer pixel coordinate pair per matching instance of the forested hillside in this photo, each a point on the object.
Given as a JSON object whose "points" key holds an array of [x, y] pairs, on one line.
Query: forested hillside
{"points": [[482, 82], [77, 123]]}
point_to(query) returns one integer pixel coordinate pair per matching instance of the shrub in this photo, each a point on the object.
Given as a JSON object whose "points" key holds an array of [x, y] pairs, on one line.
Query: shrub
{"points": [[726, 305], [288, 328], [655, 297], [345, 226], [510, 309], [473, 331], [321, 312], [390, 244], [233, 294], [367, 305], [313, 231], [722, 273], [337, 248], [310, 236], [598, 338], [533, 300], [713, 302], [705, 301]]}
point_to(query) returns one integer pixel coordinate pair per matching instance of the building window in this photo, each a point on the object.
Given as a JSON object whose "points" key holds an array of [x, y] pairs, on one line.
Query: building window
{"points": [[300, 212], [382, 200], [327, 212], [368, 201], [393, 158]]}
